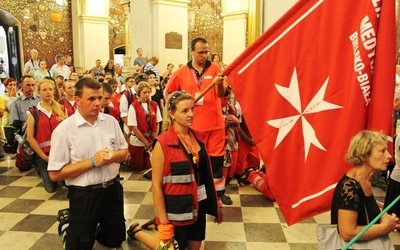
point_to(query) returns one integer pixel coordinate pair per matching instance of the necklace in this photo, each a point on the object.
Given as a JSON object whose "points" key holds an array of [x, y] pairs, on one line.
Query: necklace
{"points": [[190, 146]]}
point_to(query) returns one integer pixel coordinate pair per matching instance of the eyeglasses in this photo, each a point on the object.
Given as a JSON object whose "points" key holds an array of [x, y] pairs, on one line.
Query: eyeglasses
{"points": [[203, 52]]}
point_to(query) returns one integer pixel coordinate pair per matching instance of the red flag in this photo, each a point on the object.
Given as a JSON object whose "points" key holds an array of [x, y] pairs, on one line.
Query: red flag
{"points": [[323, 72]]}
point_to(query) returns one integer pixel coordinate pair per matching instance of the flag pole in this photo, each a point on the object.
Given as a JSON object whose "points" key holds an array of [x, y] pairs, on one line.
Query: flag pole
{"points": [[204, 91], [384, 211]]}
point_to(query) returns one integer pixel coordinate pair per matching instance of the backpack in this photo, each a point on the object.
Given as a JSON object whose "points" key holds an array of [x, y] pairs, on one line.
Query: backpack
{"points": [[24, 160], [130, 97]]}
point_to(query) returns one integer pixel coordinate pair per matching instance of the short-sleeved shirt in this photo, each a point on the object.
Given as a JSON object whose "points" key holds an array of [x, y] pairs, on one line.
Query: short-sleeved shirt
{"points": [[63, 71], [132, 121], [349, 195], [123, 103], [208, 116], [141, 61], [40, 75], [21, 104], [75, 140], [31, 67]]}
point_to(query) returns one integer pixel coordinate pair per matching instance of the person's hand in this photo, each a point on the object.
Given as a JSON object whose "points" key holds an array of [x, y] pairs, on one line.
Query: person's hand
{"points": [[220, 218], [219, 79], [390, 222], [148, 146], [232, 119], [108, 156], [45, 158], [102, 157]]}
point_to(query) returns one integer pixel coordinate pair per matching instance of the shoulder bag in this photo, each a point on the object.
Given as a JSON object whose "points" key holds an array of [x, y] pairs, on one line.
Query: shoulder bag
{"points": [[328, 238]]}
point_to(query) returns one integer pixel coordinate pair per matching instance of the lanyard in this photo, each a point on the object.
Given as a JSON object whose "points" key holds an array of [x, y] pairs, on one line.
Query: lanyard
{"points": [[147, 113], [198, 81], [191, 147]]}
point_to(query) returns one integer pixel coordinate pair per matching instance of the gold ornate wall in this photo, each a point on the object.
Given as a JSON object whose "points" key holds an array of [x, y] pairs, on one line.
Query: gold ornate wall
{"points": [[45, 26], [207, 23], [117, 26]]}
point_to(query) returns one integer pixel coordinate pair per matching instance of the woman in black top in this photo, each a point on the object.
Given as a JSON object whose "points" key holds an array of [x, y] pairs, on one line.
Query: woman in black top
{"points": [[353, 204]]}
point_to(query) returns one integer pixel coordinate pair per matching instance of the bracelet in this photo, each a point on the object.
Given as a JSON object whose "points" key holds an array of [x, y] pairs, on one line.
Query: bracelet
{"points": [[92, 161]]}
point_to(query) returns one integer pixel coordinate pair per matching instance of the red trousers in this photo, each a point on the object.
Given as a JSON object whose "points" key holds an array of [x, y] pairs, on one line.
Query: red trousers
{"points": [[140, 159], [230, 171], [260, 181], [248, 156]]}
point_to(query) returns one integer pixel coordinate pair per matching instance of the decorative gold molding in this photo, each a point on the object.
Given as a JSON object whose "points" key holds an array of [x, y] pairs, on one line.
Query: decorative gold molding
{"points": [[94, 19], [179, 3], [234, 15], [253, 22]]}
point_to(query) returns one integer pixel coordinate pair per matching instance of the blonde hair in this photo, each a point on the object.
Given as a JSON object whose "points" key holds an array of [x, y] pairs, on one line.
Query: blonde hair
{"points": [[142, 85], [54, 104], [361, 146], [173, 100]]}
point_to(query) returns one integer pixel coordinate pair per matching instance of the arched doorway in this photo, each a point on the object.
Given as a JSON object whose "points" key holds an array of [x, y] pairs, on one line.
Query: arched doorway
{"points": [[119, 53], [10, 45]]}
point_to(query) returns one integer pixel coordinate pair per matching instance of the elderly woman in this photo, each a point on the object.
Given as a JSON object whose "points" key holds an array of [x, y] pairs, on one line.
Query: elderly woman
{"points": [[353, 204], [97, 70]]}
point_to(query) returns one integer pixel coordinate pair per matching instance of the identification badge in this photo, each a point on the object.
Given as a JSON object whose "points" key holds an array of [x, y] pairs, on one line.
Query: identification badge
{"points": [[201, 193], [199, 102], [207, 77]]}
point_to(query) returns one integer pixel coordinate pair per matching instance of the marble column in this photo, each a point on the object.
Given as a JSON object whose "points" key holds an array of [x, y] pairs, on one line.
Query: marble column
{"points": [[90, 33], [149, 27], [234, 15]]}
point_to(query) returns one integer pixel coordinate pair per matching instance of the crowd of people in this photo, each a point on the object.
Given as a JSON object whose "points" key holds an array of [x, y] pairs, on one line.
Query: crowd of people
{"points": [[165, 116], [189, 140]]}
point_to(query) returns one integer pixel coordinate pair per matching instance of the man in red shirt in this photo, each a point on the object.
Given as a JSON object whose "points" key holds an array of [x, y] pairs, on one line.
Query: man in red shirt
{"points": [[193, 78]]}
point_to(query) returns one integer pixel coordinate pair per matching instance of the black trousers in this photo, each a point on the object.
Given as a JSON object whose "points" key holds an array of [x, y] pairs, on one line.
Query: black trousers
{"points": [[96, 214]]}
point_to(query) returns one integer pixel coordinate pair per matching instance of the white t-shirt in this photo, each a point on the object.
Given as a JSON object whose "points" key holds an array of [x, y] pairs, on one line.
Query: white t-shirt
{"points": [[132, 121]]}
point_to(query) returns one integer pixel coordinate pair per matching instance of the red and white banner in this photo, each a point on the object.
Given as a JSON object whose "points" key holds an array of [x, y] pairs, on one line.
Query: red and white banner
{"points": [[322, 73]]}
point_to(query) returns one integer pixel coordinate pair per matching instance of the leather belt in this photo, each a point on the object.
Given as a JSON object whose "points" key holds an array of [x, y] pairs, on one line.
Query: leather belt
{"points": [[100, 185]]}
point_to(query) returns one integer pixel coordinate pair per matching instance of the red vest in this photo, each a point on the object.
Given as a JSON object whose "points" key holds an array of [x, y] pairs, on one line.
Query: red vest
{"points": [[179, 182], [112, 111], [147, 129], [115, 101], [67, 105], [45, 128]]}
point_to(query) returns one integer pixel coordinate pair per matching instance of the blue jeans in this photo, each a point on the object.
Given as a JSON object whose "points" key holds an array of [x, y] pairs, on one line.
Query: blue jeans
{"points": [[41, 166]]}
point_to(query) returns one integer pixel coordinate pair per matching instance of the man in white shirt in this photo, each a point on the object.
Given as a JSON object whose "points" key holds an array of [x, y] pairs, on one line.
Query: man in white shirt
{"points": [[86, 152], [59, 68]]}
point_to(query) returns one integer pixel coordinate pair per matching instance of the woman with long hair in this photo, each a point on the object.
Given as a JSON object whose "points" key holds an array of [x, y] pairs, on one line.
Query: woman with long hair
{"points": [[110, 67], [42, 72], [182, 178], [49, 115]]}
